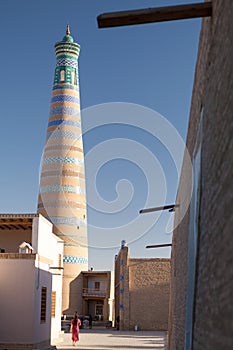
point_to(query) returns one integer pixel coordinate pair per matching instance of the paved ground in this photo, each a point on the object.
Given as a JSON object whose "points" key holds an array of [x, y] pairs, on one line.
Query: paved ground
{"points": [[111, 339]]}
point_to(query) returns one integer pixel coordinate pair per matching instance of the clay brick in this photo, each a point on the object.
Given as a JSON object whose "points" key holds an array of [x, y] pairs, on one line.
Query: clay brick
{"points": [[142, 294], [212, 92]]}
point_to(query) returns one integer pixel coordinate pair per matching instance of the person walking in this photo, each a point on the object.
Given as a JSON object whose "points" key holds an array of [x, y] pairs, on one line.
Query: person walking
{"points": [[90, 321], [75, 323], [118, 322]]}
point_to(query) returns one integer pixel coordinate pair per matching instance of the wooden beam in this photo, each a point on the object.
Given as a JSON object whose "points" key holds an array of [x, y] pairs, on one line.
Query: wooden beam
{"points": [[13, 227], [158, 245], [15, 224], [169, 207], [24, 227], [151, 15], [24, 222]]}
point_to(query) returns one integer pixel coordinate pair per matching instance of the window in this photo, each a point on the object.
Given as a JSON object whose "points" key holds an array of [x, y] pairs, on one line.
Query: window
{"points": [[43, 305], [53, 307], [97, 285], [74, 79], [62, 76]]}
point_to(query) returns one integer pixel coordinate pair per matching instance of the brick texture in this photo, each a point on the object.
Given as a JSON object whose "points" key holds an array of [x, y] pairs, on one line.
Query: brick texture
{"points": [[142, 291], [212, 91], [149, 285]]}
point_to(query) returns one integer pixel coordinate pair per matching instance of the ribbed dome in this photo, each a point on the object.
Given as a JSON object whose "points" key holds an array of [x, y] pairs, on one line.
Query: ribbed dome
{"points": [[68, 38]]}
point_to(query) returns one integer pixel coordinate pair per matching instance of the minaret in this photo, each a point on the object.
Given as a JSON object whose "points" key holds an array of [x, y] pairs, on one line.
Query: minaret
{"points": [[62, 198]]}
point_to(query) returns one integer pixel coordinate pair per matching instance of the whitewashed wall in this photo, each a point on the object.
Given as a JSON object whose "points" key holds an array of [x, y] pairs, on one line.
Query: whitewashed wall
{"points": [[21, 281]]}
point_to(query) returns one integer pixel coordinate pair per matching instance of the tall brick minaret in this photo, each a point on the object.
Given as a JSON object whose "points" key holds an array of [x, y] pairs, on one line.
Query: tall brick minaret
{"points": [[62, 184]]}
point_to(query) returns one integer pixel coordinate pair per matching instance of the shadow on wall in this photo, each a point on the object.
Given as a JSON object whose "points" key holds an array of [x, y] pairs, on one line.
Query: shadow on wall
{"points": [[75, 296]]}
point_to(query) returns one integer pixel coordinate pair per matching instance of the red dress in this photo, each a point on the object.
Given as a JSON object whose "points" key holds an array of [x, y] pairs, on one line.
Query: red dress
{"points": [[75, 330]]}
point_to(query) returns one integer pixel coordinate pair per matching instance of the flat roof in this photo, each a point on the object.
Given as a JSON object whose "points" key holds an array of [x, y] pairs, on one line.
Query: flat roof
{"points": [[16, 221]]}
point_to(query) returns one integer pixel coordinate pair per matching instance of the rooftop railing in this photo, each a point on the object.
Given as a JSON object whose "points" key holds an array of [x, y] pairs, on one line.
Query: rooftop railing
{"points": [[91, 292]]}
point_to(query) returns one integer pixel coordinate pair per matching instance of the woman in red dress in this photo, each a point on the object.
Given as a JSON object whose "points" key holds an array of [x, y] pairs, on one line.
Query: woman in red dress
{"points": [[75, 323]]}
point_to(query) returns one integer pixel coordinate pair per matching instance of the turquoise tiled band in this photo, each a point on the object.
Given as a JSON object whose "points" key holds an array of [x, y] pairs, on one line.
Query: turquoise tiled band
{"points": [[65, 160], [68, 259], [66, 220], [60, 188]]}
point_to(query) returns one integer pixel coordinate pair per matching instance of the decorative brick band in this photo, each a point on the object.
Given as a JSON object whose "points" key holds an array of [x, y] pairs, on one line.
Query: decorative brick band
{"points": [[63, 147], [63, 134], [63, 160], [60, 110], [58, 174], [65, 87], [64, 122], [65, 98], [60, 188], [62, 220], [61, 204], [68, 259], [67, 62]]}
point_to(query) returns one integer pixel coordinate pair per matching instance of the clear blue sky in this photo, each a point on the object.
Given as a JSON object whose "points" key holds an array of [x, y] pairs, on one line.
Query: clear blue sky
{"points": [[150, 65]]}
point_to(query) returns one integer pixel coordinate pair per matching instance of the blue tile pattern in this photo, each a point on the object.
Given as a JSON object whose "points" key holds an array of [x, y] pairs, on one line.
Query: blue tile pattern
{"points": [[66, 87], [63, 160], [66, 62], [68, 259], [65, 98], [64, 122], [60, 110]]}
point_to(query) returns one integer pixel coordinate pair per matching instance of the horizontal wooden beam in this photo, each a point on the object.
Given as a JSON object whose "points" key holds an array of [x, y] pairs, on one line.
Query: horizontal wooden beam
{"points": [[151, 15], [170, 207], [16, 222], [158, 245]]}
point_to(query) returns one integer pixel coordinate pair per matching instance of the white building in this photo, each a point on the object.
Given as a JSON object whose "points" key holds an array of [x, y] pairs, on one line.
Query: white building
{"points": [[30, 282]]}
